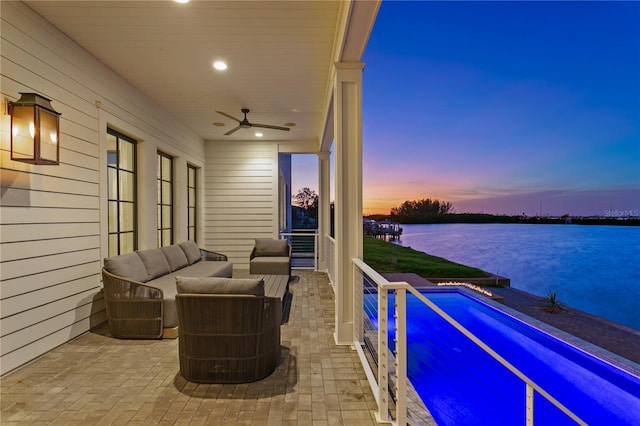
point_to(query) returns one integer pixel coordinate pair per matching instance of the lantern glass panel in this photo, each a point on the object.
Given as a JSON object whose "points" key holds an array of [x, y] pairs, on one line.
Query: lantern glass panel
{"points": [[22, 132], [48, 135]]}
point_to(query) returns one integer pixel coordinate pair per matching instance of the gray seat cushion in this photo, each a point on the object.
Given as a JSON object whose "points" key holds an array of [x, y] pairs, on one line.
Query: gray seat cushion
{"points": [[269, 265], [207, 269], [128, 266], [217, 285]]}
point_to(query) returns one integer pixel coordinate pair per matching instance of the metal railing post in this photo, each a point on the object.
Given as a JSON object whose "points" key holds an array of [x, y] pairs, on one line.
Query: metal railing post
{"points": [[529, 398], [315, 251], [383, 357], [401, 356]]}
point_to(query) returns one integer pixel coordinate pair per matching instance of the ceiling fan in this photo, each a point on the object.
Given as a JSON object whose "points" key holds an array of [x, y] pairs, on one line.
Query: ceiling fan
{"points": [[245, 124]]}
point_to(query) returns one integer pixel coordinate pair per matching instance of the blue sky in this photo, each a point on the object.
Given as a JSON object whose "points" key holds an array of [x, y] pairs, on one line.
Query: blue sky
{"points": [[504, 107]]}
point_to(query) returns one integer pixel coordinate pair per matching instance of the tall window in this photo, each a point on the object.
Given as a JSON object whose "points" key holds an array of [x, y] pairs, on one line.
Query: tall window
{"points": [[165, 200], [192, 202], [121, 175]]}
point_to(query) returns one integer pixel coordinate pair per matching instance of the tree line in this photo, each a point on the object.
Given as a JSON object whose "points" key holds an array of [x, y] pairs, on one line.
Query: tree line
{"points": [[430, 210], [420, 211], [435, 211]]}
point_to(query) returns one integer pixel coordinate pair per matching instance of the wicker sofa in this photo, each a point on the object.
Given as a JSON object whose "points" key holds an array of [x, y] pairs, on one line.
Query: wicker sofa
{"points": [[229, 331], [140, 287]]}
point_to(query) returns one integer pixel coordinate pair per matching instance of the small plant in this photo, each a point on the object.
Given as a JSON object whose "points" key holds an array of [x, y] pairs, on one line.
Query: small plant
{"points": [[552, 301]]}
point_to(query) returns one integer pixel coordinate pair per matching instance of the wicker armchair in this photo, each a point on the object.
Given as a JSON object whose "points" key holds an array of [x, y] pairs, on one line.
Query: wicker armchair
{"points": [[227, 338], [134, 309]]}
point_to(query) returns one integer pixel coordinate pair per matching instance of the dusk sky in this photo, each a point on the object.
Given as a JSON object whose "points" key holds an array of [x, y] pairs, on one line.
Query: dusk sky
{"points": [[502, 107]]}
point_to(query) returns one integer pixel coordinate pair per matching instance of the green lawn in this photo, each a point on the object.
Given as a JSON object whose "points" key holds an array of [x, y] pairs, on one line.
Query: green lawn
{"points": [[386, 257]]}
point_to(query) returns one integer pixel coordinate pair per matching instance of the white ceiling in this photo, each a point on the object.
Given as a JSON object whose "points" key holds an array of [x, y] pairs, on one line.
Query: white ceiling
{"points": [[279, 56]]}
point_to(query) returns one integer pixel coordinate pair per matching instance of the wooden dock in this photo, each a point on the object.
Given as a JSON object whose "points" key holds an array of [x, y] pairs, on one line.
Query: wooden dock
{"points": [[384, 229]]}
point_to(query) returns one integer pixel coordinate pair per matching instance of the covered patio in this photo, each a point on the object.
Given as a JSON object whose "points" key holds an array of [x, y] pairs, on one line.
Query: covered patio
{"points": [[96, 379], [140, 99]]}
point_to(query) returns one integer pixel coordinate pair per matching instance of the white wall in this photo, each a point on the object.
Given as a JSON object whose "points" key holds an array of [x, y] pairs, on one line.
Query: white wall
{"points": [[53, 218], [241, 197]]}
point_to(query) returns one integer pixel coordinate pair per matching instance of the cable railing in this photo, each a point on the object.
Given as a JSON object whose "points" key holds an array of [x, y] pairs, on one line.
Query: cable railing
{"points": [[304, 248], [386, 362]]}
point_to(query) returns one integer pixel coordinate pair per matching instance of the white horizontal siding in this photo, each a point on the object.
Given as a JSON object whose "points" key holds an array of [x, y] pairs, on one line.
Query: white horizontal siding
{"points": [[40, 248], [53, 218], [27, 284], [18, 232], [45, 216], [241, 197], [52, 316]]}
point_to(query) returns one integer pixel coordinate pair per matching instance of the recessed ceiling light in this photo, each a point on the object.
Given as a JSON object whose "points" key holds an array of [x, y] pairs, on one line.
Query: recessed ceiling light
{"points": [[182, 1], [217, 123], [220, 65], [258, 134], [289, 124]]}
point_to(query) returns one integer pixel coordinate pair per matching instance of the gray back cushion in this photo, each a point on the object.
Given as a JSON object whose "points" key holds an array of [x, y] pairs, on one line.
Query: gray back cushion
{"points": [[127, 266], [271, 247], [175, 256], [191, 250], [155, 261], [216, 285]]}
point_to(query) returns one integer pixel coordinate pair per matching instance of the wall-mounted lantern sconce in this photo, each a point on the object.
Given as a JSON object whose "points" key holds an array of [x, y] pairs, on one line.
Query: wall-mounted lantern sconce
{"points": [[35, 130]]}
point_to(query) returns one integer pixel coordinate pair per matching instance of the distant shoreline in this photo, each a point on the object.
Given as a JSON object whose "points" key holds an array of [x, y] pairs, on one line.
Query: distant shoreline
{"points": [[488, 218]]}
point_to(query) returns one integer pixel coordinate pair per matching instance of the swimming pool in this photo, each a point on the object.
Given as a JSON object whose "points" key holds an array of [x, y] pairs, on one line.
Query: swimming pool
{"points": [[462, 385]]}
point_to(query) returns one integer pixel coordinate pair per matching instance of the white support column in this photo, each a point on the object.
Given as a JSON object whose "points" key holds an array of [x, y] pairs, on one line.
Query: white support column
{"points": [[324, 210], [348, 179]]}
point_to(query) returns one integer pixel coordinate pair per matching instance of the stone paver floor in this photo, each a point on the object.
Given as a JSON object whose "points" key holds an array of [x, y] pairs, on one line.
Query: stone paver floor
{"points": [[96, 379]]}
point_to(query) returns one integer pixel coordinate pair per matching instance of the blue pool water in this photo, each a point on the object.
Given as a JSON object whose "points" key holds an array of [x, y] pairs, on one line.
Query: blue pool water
{"points": [[462, 385]]}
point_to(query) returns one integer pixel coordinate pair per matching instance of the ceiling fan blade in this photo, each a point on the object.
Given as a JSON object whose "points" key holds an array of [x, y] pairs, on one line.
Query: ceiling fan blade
{"points": [[232, 131], [267, 126], [227, 115]]}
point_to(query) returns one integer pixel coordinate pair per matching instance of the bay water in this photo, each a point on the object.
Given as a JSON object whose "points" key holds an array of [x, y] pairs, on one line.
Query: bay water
{"points": [[590, 267]]}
